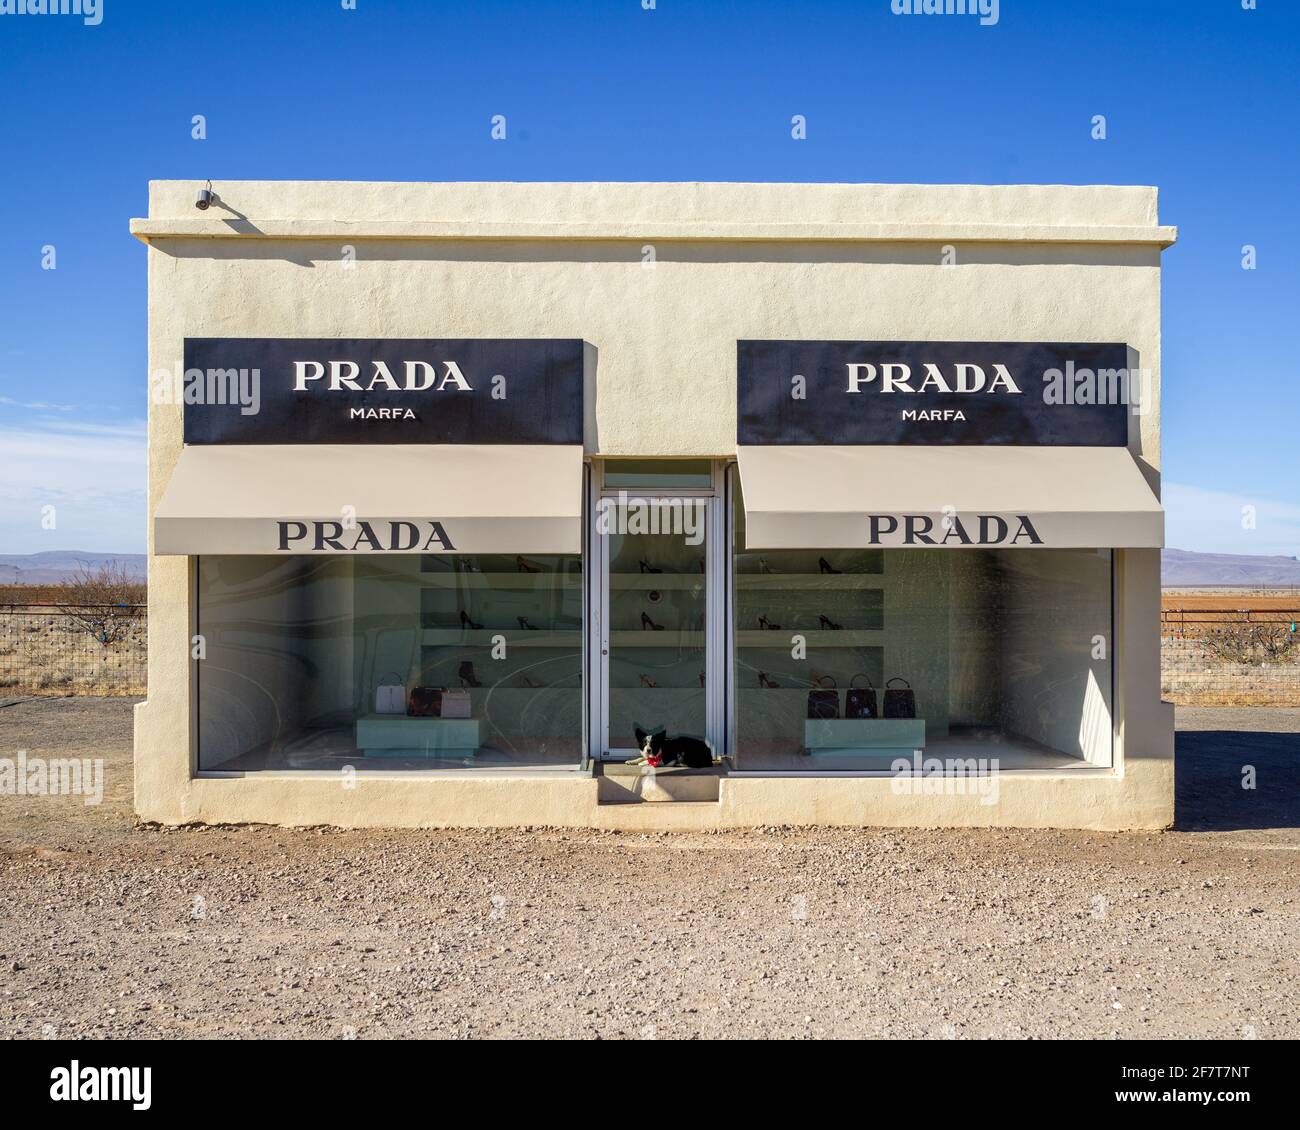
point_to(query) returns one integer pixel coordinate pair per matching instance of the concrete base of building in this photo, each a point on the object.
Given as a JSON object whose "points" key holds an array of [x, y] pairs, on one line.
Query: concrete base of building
{"points": [[1140, 796]]}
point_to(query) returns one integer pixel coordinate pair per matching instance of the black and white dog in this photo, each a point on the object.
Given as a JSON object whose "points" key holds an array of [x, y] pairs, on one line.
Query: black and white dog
{"points": [[659, 750]]}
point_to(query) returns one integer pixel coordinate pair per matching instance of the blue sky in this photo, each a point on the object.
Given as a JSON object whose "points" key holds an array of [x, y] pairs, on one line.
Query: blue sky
{"points": [[1201, 99]]}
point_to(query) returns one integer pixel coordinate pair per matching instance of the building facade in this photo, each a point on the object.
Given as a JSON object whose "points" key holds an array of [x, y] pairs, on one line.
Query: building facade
{"points": [[464, 497]]}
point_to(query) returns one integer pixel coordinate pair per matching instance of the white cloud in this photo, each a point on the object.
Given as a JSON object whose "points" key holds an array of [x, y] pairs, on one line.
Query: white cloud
{"points": [[1212, 521], [93, 475], [39, 405], [135, 429]]}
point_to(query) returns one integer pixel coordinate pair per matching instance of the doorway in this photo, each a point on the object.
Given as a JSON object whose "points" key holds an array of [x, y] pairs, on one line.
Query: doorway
{"points": [[659, 606]]}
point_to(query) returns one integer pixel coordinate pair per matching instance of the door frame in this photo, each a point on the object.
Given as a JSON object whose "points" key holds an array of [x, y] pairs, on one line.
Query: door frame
{"points": [[717, 557]]}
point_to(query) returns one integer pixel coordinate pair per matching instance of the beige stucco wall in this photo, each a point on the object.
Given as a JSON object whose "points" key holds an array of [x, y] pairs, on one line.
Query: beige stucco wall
{"points": [[660, 281]]}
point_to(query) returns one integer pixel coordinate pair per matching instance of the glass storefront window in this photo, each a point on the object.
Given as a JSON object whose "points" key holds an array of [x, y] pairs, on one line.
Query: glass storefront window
{"points": [[658, 474], [658, 600], [389, 662], [847, 660]]}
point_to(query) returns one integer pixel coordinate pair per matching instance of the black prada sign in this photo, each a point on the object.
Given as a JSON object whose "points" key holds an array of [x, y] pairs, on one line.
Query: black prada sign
{"points": [[376, 537], [951, 529], [390, 390], [918, 392]]}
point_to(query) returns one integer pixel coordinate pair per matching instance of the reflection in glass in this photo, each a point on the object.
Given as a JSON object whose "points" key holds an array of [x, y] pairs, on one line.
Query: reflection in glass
{"points": [[390, 661], [657, 603], [958, 653]]}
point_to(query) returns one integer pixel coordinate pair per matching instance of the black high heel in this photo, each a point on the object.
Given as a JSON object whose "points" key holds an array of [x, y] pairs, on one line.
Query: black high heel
{"points": [[466, 622], [467, 676], [829, 624], [701, 678], [529, 683], [648, 624], [523, 623], [825, 566], [646, 567], [764, 681], [525, 566], [764, 622]]}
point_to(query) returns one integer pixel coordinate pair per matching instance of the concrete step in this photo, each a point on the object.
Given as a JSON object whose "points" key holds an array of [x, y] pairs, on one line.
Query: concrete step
{"points": [[684, 816], [626, 784]]}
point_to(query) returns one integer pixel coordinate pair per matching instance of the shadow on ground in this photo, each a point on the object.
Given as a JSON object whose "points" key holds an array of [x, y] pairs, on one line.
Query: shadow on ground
{"points": [[1212, 764]]}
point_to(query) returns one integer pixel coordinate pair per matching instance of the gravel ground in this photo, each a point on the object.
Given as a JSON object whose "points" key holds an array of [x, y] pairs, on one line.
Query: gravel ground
{"points": [[109, 930]]}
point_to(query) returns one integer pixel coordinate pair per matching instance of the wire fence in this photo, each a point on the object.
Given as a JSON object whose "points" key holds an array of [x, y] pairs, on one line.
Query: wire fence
{"points": [[1221, 656], [1182, 623], [103, 649], [73, 649]]}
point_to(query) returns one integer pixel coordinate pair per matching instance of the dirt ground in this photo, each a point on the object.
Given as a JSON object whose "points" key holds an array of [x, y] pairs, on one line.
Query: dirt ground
{"points": [[109, 930], [1271, 602]]}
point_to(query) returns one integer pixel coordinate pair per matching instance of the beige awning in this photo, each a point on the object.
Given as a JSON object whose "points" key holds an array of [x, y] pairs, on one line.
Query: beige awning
{"points": [[329, 498], [855, 497]]}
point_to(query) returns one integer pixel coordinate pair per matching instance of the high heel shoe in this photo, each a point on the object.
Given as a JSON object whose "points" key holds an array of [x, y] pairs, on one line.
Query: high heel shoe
{"points": [[829, 624], [646, 567], [526, 566], [825, 566], [466, 622], [701, 678], [467, 676], [529, 683], [523, 623], [764, 681], [764, 622], [765, 568], [646, 681], [647, 624], [465, 565]]}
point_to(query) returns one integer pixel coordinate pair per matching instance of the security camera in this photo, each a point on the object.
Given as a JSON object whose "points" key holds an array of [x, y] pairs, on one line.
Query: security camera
{"points": [[204, 199]]}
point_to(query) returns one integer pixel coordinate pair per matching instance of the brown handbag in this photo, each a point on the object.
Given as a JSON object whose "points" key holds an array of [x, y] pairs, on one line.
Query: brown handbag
{"points": [[425, 702], [860, 702]]}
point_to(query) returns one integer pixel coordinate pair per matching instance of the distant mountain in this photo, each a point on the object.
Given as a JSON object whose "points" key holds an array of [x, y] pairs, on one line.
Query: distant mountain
{"points": [[56, 566], [1181, 568]]}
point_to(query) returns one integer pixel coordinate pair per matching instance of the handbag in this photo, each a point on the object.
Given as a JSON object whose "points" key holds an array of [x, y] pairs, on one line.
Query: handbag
{"points": [[860, 702], [425, 702], [455, 704], [825, 702], [390, 698], [900, 702]]}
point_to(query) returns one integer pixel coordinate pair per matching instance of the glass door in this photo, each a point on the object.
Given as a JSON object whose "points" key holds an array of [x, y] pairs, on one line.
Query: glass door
{"points": [[660, 622]]}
